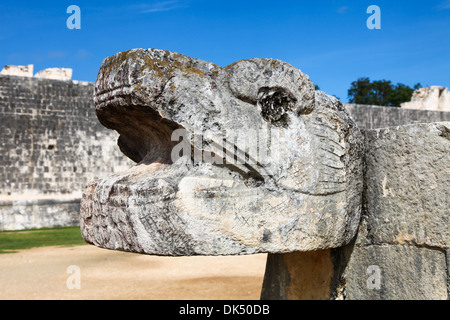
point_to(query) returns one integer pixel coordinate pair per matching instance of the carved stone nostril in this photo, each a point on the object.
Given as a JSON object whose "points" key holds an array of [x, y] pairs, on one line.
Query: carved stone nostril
{"points": [[274, 104]]}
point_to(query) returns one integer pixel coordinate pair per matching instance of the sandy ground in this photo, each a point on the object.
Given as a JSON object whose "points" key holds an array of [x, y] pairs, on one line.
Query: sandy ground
{"points": [[42, 273]]}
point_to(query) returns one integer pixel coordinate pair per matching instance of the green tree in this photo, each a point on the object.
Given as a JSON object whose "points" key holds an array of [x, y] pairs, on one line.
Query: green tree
{"points": [[380, 92], [360, 91], [402, 93]]}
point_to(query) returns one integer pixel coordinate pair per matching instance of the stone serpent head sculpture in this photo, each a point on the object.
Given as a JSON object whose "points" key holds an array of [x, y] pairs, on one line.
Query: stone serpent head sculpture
{"points": [[237, 160]]}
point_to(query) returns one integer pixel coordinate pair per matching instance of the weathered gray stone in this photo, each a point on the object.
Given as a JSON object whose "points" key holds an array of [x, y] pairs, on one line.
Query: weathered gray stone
{"points": [[396, 272], [407, 179], [375, 117], [278, 167]]}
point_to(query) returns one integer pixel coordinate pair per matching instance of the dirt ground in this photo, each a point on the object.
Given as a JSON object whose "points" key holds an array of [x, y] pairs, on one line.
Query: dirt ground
{"points": [[46, 273]]}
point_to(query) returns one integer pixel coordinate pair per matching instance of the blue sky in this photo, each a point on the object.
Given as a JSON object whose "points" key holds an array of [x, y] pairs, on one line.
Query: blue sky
{"points": [[328, 40]]}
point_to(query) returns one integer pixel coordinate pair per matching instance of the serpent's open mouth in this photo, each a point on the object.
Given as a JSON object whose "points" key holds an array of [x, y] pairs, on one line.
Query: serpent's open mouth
{"points": [[144, 135]]}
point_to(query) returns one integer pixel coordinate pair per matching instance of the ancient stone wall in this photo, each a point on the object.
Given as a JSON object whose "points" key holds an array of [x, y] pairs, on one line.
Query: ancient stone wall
{"points": [[373, 117], [27, 71], [23, 71], [20, 213], [429, 98], [51, 143]]}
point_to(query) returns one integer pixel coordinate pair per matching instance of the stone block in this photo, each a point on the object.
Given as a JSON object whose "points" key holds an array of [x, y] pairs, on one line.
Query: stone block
{"points": [[22, 71], [299, 276], [396, 272], [429, 98], [407, 177], [55, 73]]}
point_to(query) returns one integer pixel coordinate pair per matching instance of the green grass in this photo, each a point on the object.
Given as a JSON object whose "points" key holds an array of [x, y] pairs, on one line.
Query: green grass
{"points": [[11, 241]]}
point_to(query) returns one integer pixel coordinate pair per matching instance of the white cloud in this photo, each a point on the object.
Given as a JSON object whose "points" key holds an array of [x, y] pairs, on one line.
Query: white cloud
{"points": [[162, 6]]}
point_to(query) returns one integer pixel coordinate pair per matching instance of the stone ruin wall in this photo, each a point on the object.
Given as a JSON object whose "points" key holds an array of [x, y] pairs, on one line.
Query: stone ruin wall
{"points": [[429, 98], [27, 71], [374, 117], [51, 145]]}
